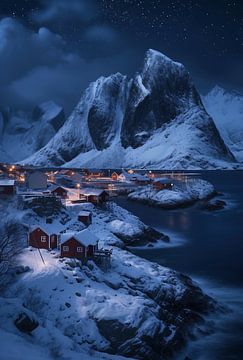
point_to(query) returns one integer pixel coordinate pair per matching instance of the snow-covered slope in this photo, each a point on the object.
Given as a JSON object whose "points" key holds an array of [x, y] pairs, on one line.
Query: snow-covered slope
{"points": [[155, 120], [226, 108], [136, 309], [22, 133]]}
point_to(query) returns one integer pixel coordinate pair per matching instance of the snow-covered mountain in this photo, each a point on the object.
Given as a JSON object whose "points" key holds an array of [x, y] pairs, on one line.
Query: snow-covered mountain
{"points": [[23, 133], [226, 108], [156, 120]]}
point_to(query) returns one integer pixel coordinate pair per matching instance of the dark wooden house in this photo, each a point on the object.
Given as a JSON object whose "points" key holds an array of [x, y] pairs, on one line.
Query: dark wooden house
{"points": [[7, 187], [85, 217], [41, 238], [95, 196], [80, 245]]}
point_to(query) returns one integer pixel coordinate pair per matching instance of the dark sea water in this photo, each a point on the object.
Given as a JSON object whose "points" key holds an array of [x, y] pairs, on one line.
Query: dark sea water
{"points": [[209, 248]]}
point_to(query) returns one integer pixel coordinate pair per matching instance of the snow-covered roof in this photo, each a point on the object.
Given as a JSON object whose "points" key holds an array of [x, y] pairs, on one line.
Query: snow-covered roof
{"points": [[85, 237], [7, 182], [84, 213], [163, 180], [46, 229], [134, 176], [95, 192], [54, 187]]}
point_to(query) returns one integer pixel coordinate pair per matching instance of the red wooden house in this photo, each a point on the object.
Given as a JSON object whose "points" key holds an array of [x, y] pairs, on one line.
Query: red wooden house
{"points": [[114, 176], [80, 245], [85, 217], [59, 191], [164, 183], [95, 196], [41, 238]]}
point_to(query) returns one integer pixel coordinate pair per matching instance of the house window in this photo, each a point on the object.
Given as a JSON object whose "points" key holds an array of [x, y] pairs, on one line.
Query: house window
{"points": [[80, 249], [43, 238], [65, 248]]}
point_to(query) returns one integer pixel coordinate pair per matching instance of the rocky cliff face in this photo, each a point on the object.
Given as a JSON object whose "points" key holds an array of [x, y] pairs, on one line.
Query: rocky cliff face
{"points": [[155, 120], [226, 108], [160, 93], [23, 133]]}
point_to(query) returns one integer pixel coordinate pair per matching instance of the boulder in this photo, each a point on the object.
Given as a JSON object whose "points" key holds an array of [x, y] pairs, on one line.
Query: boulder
{"points": [[25, 323]]}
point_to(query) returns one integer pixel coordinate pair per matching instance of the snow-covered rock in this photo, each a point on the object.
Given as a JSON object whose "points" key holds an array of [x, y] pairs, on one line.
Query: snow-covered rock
{"points": [[179, 196], [155, 120], [226, 108], [130, 229], [23, 133]]}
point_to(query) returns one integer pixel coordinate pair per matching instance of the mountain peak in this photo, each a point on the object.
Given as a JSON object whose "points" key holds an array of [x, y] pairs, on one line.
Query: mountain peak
{"points": [[154, 58]]}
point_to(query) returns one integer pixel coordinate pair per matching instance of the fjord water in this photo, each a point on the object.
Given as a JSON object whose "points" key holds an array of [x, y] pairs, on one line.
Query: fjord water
{"points": [[209, 248]]}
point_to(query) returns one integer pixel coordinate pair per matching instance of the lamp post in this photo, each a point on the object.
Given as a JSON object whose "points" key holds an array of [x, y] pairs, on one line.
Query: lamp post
{"points": [[78, 187]]}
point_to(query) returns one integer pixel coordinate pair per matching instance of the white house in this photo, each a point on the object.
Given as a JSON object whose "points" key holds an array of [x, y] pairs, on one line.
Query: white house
{"points": [[36, 180]]}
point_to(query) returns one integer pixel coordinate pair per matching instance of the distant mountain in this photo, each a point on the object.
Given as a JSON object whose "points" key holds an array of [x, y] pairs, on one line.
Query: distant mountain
{"points": [[226, 108], [23, 133], [156, 120]]}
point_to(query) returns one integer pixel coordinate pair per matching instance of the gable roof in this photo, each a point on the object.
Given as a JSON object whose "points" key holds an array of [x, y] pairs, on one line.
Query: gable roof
{"points": [[163, 181], [43, 228], [85, 237], [88, 191], [134, 176], [55, 187], [84, 213], [7, 182]]}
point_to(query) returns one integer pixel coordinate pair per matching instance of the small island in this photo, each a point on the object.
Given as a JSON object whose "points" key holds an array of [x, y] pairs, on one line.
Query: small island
{"points": [[168, 193]]}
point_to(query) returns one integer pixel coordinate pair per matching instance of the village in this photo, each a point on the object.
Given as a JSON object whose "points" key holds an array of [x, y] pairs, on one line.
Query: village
{"points": [[46, 190], [38, 188]]}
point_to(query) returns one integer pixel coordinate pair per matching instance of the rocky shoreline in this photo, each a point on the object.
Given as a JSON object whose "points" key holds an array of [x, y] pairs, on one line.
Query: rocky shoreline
{"points": [[137, 309]]}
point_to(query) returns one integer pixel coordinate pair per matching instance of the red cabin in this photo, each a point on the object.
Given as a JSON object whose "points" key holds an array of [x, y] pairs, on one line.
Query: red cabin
{"points": [[85, 217], [80, 245], [41, 239], [114, 176], [59, 191], [95, 196], [164, 183]]}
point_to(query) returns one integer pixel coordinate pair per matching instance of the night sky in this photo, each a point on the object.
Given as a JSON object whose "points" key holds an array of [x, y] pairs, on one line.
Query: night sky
{"points": [[52, 49]]}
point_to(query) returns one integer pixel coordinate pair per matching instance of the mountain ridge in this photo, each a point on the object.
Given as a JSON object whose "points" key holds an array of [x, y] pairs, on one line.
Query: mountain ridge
{"points": [[136, 118]]}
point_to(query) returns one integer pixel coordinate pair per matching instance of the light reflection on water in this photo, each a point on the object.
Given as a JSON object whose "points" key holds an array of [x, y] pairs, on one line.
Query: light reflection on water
{"points": [[209, 247]]}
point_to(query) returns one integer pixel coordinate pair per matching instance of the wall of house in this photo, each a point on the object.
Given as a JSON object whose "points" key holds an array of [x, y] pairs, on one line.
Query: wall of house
{"points": [[36, 240], [60, 192], [37, 180], [87, 220], [7, 190], [53, 241], [72, 252]]}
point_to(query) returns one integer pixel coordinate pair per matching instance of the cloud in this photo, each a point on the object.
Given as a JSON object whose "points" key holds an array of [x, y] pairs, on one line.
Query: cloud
{"points": [[22, 49], [101, 33], [65, 11], [62, 83], [38, 65]]}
